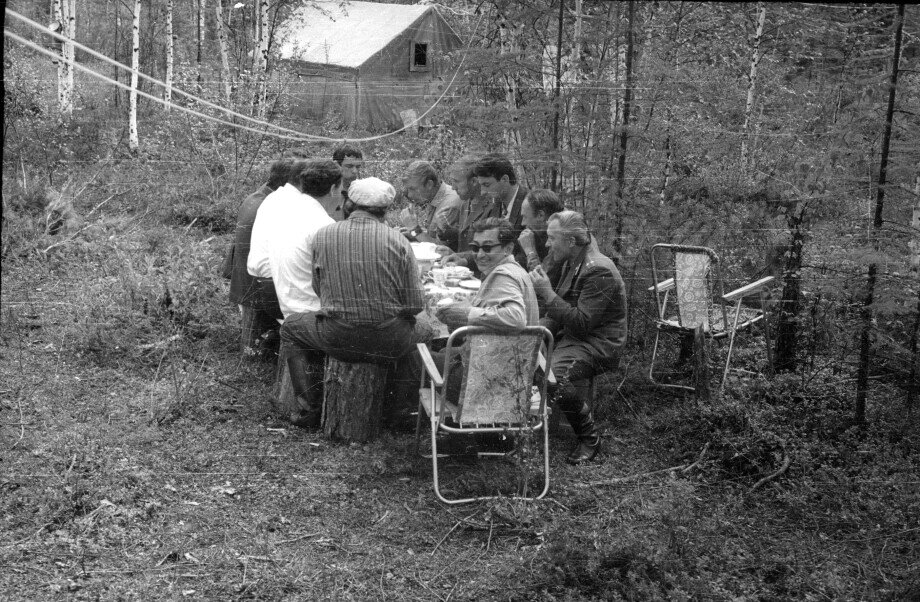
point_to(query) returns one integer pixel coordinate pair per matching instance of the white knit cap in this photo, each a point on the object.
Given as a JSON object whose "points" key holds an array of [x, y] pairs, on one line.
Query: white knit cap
{"points": [[371, 192]]}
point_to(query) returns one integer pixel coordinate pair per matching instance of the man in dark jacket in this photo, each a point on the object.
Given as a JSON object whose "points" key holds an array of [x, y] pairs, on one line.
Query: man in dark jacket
{"points": [[255, 296], [475, 207], [497, 182], [538, 206], [586, 311]]}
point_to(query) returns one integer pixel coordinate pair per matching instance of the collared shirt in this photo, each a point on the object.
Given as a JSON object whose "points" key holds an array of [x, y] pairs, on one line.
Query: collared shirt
{"points": [[509, 201], [442, 212], [506, 300], [365, 272], [282, 246]]}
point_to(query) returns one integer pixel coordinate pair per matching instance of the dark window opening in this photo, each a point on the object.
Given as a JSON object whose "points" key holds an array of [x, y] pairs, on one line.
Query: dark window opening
{"points": [[420, 56]]}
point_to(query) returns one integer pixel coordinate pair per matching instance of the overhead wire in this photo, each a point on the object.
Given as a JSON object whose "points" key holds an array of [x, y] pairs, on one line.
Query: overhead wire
{"points": [[289, 133]]}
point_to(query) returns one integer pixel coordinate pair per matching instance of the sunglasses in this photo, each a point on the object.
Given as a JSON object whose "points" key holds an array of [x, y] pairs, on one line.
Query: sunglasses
{"points": [[474, 247]]}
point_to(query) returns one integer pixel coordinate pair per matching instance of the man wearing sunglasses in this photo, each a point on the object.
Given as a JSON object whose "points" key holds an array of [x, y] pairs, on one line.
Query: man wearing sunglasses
{"points": [[506, 299]]}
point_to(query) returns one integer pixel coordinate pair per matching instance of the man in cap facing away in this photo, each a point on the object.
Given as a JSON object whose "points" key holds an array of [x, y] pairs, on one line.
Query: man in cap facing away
{"points": [[368, 283]]}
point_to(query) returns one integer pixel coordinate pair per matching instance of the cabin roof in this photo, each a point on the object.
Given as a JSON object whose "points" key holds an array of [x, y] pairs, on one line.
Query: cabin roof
{"points": [[326, 32]]}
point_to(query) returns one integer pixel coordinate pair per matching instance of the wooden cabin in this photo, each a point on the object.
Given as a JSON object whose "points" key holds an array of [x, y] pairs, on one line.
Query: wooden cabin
{"points": [[373, 63]]}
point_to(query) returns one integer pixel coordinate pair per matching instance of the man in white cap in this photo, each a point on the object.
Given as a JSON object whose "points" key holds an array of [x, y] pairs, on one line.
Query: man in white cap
{"points": [[367, 280]]}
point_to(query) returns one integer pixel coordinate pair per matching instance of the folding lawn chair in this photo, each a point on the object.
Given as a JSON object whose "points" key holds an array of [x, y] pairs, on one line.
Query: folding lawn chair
{"points": [[695, 278], [496, 392]]}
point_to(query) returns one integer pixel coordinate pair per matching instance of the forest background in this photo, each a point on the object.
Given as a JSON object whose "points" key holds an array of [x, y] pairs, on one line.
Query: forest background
{"points": [[784, 136]]}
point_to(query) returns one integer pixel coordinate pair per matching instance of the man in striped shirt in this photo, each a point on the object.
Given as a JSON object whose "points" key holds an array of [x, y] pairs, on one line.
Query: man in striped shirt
{"points": [[368, 283]]}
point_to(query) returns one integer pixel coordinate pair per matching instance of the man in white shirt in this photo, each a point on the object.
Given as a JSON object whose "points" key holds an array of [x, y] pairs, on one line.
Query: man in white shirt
{"points": [[282, 248], [282, 235]]}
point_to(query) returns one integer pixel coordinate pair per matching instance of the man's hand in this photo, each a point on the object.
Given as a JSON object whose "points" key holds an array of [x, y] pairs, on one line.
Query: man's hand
{"points": [[541, 283], [408, 219], [528, 241], [455, 315], [443, 250], [454, 259], [407, 232]]}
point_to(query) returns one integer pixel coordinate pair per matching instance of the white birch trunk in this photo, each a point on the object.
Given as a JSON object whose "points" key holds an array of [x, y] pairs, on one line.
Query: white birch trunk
{"points": [[58, 13], [202, 8], [71, 33], [262, 50], [67, 24], [509, 47], [915, 225], [170, 51], [752, 80], [224, 60], [133, 142]]}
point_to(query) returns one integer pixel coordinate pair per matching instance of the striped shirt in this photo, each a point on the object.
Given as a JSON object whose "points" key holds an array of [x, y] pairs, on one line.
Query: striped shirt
{"points": [[365, 272]]}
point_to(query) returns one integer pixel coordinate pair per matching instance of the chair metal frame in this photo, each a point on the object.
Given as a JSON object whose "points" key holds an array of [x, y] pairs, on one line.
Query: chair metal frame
{"points": [[663, 288], [438, 408]]}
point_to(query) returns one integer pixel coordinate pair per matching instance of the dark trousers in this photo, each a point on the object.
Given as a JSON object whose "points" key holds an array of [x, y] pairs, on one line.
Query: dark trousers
{"points": [[390, 342]]}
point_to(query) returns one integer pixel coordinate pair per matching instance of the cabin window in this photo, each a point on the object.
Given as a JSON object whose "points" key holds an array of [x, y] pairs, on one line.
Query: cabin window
{"points": [[419, 59]]}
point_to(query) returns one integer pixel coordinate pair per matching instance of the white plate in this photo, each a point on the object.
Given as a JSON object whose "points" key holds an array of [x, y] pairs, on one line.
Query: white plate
{"points": [[472, 284]]}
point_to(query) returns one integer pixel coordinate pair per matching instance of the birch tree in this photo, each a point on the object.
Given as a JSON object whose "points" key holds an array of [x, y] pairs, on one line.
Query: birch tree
{"points": [[65, 15], [261, 56], [619, 201], [224, 60], [508, 40], [752, 80], [202, 7], [133, 142], [170, 51]]}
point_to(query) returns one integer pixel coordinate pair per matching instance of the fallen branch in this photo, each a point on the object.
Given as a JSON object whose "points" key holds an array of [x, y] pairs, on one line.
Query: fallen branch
{"points": [[297, 538], [683, 468], [782, 469], [160, 344], [698, 460], [456, 524]]}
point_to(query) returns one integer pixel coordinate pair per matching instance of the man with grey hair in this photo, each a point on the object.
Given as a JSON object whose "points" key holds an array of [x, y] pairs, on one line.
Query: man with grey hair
{"points": [[586, 311], [436, 206], [367, 280]]}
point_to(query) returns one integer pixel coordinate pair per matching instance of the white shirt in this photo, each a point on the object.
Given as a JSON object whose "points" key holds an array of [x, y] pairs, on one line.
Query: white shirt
{"points": [[510, 201], [282, 246]]}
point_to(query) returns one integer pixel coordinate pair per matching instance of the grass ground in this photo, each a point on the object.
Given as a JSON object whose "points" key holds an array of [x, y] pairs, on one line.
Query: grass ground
{"points": [[143, 459]]}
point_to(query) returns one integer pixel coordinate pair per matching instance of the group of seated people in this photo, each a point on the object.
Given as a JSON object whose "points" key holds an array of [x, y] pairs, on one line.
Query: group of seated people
{"points": [[321, 251]]}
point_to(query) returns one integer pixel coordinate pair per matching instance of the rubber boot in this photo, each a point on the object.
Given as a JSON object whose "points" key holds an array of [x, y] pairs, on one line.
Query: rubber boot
{"points": [[307, 382], [589, 443]]}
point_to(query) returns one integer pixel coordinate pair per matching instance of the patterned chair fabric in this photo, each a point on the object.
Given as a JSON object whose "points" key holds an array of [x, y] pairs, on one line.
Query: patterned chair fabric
{"points": [[693, 289], [498, 373]]}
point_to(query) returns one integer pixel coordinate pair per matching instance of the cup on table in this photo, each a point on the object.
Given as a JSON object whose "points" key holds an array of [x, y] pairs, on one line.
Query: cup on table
{"points": [[439, 275]]}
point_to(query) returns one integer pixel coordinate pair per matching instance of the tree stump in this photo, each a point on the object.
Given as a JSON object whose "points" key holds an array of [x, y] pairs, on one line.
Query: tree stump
{"points": [[283, 391], [353, 407]]}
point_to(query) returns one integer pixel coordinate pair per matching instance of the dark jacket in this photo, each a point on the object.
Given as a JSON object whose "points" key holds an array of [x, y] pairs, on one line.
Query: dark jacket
{"points": [[492, 209], [257, 293], [471, 212], [591, 306]]}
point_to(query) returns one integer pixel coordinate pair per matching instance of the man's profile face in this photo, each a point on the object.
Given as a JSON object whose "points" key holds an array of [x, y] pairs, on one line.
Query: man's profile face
{"points": [[532, 220], [418, 190], [495, 189], [557, 243], [463, 185], [351, 170]]}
